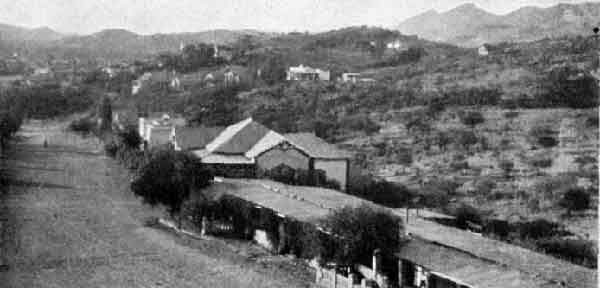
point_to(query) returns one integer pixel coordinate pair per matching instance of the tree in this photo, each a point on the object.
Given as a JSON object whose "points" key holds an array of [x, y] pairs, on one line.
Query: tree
{"points": [[465, 138], [105, 114], [169, 178], [507, 166], [543, 135], [575, 199], [471, 118], [130, 138], [568, 87], [358, 232]]}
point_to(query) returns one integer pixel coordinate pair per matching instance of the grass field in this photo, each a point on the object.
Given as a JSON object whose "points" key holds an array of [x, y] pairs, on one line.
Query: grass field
{"points": [[69, 220]]}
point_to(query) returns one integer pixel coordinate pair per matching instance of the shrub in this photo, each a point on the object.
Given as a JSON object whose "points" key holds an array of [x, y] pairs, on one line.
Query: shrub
{"points": [[484, 186], [592, 121], [511, 114], [575, 199], [506, 166], [169, 178], [538, 229], [577, 251], [466, 213], [130, 138], [465, 138], [543, 135], [541, 162], [360, 231], [111, 147], [282, 173], [379, 191], [83, 126], [471, 118], [500, 228], [459, 165], [564, 87]]}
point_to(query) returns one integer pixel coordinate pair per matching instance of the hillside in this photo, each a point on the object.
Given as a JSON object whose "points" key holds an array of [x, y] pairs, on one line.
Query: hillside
{"points": [[114, 44], [120, 43], [471, 26]]}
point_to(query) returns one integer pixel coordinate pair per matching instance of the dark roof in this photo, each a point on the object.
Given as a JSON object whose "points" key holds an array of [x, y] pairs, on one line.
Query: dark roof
{"points": [[243, 139], [195, 137], [315, 146], [466, 269]]}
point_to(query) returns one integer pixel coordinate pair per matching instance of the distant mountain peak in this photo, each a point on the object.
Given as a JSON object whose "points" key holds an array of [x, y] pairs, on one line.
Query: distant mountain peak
{"points": [[468, 25]]}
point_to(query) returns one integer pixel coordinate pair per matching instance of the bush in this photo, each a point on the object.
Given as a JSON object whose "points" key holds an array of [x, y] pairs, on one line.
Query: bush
{"points": [[506, 166], [471, 118], [577, 251], [575, 199], [459, 165], [465, 138], [543, 135], [83, 126], [484, 186], [538, 229], [288, 175], [111, 147], [169, 178], [541, 162], [568, 87], [130, 138], [360, 231], [379, 191], [511, 114], [499, 228], [466, 213]]}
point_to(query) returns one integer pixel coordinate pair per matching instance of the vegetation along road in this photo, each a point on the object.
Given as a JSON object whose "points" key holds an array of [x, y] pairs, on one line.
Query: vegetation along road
{"points": [[69, 220]]}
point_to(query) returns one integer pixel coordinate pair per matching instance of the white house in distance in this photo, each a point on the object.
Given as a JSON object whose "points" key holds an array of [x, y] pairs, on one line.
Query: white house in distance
{"points": [[306, 73], [157, 129], [483, 50]]}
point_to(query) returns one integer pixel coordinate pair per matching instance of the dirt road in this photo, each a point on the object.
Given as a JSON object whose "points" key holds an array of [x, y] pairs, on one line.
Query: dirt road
{"points": [[69, 220]]}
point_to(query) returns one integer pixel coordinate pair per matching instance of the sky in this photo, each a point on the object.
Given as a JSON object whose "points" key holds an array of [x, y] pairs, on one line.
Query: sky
{"points": [[168, 16]]}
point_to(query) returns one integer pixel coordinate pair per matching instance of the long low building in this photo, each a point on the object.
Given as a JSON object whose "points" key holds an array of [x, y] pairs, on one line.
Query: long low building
{"points": [[436, 255]]}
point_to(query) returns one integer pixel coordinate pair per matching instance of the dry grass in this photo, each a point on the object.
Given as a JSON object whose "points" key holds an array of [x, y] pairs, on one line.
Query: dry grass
{"points": [[70, 221]]}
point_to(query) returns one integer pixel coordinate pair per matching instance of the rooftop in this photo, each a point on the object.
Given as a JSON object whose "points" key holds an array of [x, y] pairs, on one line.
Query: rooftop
{"points": [[195, 137], [315, 146], [515, 265]]}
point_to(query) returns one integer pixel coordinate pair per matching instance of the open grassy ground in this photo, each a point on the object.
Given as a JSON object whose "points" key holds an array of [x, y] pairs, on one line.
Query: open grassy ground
{"points": [[69, 220]]}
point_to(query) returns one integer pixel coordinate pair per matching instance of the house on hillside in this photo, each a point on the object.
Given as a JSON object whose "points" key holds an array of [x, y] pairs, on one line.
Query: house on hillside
{"points": [[305, 73], [483, 50], [156, 129], [356, 78], [231, 75], [395, 45], [240, 150], [161, 79]]}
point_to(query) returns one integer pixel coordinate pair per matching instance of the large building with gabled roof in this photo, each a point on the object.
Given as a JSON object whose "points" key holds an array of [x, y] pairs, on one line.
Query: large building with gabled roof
{"points": [[241, 149]]}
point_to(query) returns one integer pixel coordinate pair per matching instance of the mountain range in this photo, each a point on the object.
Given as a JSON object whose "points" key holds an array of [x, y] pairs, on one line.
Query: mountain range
{"points": [[110, 43], [470, 26]]}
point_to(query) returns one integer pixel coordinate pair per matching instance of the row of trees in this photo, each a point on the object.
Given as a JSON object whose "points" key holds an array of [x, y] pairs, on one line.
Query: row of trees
{"points": [[12, 112]]}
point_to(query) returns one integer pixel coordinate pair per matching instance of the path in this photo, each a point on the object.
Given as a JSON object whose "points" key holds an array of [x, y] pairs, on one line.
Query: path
{"points": [[70, 221]]}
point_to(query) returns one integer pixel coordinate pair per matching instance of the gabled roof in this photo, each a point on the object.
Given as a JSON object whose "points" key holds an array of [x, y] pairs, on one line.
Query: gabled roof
{"points": [[315, 147], [238, 138], [195, 137]]}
